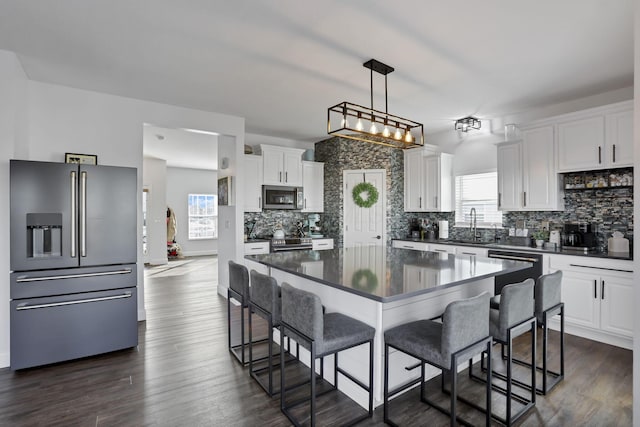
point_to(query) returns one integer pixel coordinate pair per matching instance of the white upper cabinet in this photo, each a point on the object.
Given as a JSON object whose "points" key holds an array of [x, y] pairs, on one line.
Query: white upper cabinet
{"points": [[282, 165], [428, 181], [313, 186], [620, 139], [509, 176], [252, 183], [599, 138], [527, 177], [581, 144], [540, 181]]}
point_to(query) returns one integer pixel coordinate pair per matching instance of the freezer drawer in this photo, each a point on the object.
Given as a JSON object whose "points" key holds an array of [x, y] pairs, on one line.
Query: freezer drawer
{"points": [[35, 284], [55, 329]]}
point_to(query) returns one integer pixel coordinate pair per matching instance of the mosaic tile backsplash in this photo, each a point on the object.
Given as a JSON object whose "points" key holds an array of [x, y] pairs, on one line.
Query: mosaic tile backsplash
{"points": [[608, 208]]}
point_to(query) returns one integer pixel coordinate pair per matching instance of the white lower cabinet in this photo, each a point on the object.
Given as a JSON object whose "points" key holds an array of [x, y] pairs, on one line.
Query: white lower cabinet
{"points": [[407, 244], [470, 250], [598, 297], [322, 244], [449, 249]]}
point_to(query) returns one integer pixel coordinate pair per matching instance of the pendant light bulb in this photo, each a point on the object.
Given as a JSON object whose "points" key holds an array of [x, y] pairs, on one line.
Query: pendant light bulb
{"points": [[397, 135], [359, 125], [374, 129], [385, 132], [408, 137], [344, 122]]}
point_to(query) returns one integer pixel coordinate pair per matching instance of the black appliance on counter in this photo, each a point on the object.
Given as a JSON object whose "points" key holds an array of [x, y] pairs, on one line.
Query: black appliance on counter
{"points": [[578, 236], [291, 244], [532, 272], [73, 285], [280, 197]]}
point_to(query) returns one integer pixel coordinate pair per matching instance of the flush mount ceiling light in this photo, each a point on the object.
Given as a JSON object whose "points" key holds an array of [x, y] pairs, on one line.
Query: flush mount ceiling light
{"points": [[369, 125], [467, 124]]}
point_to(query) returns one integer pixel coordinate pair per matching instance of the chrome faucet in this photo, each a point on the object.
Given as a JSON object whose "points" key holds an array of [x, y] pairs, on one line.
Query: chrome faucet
{"points": [[473, 226]]}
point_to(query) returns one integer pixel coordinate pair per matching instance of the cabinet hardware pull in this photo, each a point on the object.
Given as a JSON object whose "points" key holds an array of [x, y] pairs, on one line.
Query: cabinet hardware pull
{"points": [[601, 268], [286, 177], [599, 154], [260, 202], [436, 199], [468, 253], [420, 202], [602, 291], [74, 210], [614, 153], [499, 200], [82, 301], [83, 214], [525, 199], [72, 276], [279, 176], [595, 289], [440, 250], [412, 367]]}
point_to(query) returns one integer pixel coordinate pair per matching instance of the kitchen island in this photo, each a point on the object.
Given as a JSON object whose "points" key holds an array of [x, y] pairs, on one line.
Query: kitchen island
{"points": [[383, 287]]}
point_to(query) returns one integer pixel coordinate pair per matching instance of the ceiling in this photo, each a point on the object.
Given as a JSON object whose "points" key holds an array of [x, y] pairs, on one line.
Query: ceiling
{"points": [[181, 148], [280, 64]]}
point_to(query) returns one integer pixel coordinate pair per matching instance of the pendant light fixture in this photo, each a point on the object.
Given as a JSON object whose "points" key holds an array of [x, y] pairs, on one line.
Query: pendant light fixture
{"points": [[467, 123], [374, 126]]}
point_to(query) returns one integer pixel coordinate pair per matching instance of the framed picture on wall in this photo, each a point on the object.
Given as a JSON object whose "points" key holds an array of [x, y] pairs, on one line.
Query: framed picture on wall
{"points": [[225, 191], [84, 159]]}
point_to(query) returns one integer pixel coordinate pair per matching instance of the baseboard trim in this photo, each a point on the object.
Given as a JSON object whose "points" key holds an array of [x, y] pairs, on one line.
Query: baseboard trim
{"points": [[594, 335], [5, 360], [142, 315], [199, 253]]}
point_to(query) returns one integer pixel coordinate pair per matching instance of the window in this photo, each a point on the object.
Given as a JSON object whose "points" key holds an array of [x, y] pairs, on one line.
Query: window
{"points": [[203, 216], [478, 191]]}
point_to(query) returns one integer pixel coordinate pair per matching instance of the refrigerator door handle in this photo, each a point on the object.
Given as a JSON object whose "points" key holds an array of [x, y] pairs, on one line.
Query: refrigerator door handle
{"points": [[73, 276], [80, 301], [83, 214], [74, 212]]}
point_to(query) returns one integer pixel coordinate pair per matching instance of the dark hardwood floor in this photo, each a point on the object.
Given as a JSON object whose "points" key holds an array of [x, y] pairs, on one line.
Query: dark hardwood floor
{"points": [[182, 374]]}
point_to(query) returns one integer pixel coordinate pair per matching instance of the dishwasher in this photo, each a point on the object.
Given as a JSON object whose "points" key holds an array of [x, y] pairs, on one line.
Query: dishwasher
{"points": [[532, 272]]}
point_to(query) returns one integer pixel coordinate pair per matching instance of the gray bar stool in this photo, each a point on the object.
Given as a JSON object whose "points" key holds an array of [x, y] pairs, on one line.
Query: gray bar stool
{"points": [[548, 292], [514, 318], [238, 290], [463, 333], [322, 334], [264, 301]]}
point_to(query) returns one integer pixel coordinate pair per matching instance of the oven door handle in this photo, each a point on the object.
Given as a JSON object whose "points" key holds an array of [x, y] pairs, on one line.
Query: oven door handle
{"points": [[513, 258]]}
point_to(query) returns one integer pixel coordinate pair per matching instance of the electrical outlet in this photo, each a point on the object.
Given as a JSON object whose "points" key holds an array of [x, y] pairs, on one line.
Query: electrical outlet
{"points": [[545, 225]]}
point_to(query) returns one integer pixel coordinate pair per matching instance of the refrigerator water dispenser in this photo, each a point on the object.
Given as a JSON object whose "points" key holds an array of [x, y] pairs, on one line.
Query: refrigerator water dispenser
{"points": [[44, 235]]}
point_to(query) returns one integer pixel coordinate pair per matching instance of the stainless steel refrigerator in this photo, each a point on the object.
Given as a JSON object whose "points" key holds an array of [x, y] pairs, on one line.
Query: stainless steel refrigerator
{"points": [[73, 260]]}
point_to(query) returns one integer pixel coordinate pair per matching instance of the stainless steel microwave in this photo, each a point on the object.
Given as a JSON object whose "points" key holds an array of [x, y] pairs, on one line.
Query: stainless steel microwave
{"points": [[277, 197]]}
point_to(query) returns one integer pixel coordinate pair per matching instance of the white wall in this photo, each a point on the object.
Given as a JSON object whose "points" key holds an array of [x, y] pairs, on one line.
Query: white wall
{"points": [[636, 215], [230, 218], [62, 119], [254, 140], [180, 183], [155, 180], [13, 110]]}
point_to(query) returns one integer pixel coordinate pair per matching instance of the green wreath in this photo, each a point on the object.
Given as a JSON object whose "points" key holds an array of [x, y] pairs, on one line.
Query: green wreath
{"points": [[365, 187], [369, 277]]}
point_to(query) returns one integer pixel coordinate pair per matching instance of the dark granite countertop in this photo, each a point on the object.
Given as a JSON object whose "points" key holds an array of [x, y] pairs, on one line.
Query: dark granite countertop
{"points": [[378, 273], [549, 250]]}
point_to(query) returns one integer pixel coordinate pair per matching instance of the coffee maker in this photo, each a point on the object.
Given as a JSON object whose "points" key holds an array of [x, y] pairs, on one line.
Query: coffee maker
{"points": [[579, 235], [315, 229]]}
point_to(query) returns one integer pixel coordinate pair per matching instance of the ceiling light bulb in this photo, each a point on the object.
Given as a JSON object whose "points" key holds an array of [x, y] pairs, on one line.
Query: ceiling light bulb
{"points": [[373, 129], [385, 132], [344, 122], [397, 135], [359, 125]]}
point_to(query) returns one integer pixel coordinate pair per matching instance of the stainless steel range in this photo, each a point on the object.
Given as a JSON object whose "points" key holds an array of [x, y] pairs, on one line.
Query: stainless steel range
{"points": [[291, 244]]}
